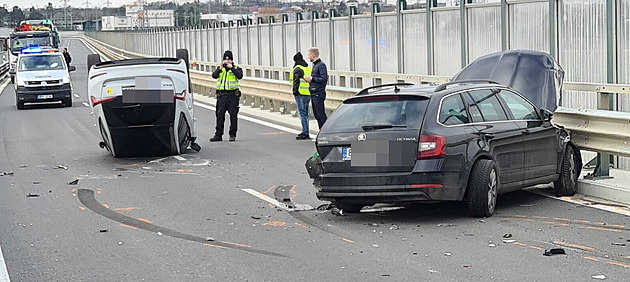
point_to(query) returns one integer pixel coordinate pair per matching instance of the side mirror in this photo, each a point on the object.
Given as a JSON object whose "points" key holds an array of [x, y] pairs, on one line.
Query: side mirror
{"points": [[545, 115], [12, 71], [72, 68]]}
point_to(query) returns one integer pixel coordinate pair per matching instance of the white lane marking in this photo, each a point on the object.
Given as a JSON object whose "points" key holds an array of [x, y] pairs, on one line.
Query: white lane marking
{"points": [[4, 274], [94, 51], [179, 158], [261, 122], [76, 95], [85, 104], [268, 199], [585, 202], [68, 46]]}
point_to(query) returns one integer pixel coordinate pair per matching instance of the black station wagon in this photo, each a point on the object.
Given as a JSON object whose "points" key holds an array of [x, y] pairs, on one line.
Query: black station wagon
{"points": [[467, 140]]}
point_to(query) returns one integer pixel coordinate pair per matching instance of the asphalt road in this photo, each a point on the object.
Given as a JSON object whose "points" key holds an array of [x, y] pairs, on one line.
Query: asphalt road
{"points": [[150, 219]]}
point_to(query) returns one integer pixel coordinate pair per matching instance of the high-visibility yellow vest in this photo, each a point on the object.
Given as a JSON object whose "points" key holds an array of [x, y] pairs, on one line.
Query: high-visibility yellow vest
{"points": [[303, 83], [227, 80]]}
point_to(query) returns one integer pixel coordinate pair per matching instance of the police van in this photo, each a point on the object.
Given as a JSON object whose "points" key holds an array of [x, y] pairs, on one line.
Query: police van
{"points": [[42, 75]]}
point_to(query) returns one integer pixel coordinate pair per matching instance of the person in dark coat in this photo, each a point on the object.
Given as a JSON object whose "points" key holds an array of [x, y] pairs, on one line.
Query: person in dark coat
{"points": [[66, 56], [228, 76], [318, 80], [301, 92]]}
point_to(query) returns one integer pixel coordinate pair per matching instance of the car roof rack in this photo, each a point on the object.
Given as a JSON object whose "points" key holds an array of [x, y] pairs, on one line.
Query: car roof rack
{"points": [[444, 85], [365, 90]]}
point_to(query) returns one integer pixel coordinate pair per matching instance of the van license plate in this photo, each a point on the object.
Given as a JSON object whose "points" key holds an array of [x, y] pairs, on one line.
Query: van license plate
{"points": [[346, 154], [41, 97]]}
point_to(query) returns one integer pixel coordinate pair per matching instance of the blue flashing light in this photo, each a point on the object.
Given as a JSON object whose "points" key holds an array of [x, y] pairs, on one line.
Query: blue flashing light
{"points": [[32, 50]]}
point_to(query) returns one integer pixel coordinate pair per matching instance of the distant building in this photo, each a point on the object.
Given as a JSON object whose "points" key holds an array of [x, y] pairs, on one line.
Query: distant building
{"points": [[137, 17]]}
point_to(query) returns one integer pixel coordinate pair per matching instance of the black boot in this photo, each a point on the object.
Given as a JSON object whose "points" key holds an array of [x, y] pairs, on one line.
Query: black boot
{"points": [[216, 139]]}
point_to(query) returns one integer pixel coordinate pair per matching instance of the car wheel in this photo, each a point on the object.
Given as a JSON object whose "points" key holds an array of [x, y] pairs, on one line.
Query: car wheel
{"points": [[93, 59], [183, 132], [349, 208], [566, 185], [481, 194], [20, 105]]}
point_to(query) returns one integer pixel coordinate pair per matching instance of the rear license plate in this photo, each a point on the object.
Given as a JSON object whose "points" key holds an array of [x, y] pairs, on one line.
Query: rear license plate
{"points": [[41, 97], [346, 154]]}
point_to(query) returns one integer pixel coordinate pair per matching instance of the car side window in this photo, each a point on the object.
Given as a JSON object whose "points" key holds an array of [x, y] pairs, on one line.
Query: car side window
{"points": [[521, 109], [453, 111], [488, 104]]}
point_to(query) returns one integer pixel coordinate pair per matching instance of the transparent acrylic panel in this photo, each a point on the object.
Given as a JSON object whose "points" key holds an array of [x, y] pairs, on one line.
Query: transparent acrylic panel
{"points": [[583, 48], [306, 37], [623, 64], [218, 49], [225, 39], [484, 31], [446, 42], [234, 45], [290, 42], [323, 41], [529, 26], [244, 59], [265, 45], [204, 45], [278, 57], [415, 43], [253, 45], [363, 44], [387, 44], [341, 41]]}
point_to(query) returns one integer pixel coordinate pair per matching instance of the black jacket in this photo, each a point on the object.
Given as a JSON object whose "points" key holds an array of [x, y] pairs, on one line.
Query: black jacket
{"points": [[238, 72], [67, 57], [298, 74], [320, 79]]}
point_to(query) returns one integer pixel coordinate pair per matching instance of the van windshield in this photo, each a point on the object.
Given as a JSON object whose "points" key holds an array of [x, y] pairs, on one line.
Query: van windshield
{"points": [[43, 62], [17, 44], [377, 113]]}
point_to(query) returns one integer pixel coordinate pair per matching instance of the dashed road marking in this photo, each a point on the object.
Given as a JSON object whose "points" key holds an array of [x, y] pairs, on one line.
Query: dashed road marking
{"points": [[4, 274], [85, 104], [179, 158], [76, 95]]}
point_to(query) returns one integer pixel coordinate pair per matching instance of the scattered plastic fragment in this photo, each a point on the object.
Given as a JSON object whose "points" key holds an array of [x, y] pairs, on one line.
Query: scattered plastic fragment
{"points": [[231, 213], [394, 227], [556, 251], [508, 235], [385, 275], [62, 167], [32, 195], [404, 238], [509, 241], [619, 244], [491, 245], [482, 221], [74, 182], [209, 239], [160, 234], [415, 253], [337, 212], [373, 224], [432, 271], [3, 173], [466, 266], [448, 254], [103, 230], [120, 243], [256, 217], [599, 277], [375, 245], [446, 225], [23, 166], [37, 182]]}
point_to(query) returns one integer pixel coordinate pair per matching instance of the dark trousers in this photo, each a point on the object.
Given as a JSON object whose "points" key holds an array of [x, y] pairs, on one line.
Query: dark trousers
{"points": [[319, 110], [227, 101]]}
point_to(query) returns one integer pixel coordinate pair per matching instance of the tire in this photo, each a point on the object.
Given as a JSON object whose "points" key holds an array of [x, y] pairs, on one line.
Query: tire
{"points": [[67, 102], [483, 185], [349, 208], [93, 59], [566, 185], [183, 133], [20, 105], [183, 55]]}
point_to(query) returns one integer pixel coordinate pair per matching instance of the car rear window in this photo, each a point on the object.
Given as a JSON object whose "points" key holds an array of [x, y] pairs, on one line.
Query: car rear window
{"points": [[398, 111]]}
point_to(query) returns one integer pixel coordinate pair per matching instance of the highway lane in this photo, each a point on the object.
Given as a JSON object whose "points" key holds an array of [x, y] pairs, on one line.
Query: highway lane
{"points": [[157, 215]]}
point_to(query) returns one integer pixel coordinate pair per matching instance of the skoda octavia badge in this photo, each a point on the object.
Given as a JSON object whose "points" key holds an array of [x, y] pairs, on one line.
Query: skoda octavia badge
{"points": [[362, 137]]}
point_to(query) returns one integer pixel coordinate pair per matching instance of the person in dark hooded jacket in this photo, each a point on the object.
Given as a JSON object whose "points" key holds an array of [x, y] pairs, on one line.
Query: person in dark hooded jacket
{"points": [[301, 92]]}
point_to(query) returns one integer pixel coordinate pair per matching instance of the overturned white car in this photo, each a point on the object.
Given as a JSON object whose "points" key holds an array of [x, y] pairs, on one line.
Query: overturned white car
{"points": [[143, 107]]}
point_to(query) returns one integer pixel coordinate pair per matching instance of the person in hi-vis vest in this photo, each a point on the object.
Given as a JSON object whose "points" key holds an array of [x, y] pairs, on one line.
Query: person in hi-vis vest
{"points": [[301, 92], [228, 76]]}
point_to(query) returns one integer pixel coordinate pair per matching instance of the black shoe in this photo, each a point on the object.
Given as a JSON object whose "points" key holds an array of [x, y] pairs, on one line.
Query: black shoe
{"points": [[302, 136], [232, 138], [216, 139]]}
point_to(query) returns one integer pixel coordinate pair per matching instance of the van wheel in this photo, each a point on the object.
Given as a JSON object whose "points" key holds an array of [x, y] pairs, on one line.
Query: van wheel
{"points": [[20, 105], [481, 195], [566, 185], [349, 208], [93, 59], [183, 133]]}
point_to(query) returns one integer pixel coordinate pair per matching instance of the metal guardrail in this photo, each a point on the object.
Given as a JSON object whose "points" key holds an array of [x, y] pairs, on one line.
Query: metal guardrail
{"points": [[596, 130]]}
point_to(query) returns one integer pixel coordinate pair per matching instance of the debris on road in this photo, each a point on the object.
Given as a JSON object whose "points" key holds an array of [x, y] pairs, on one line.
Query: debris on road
{"points": [[466, 266], [491, 245], [3, 173], [446, 225], [256, 217], [556, 251], [404, 238], [74, 182], [103, 230], [415, 253], [336, 211], [37, 182], [62, 167], [482, 221], [23, 166], [32, 195], [432, 271], [448, 254], [375, 245], [509, 241], [160, 234], [209, 239], [599, 277], [394, 227], [323, 208], [231, 213], [120, 243], [619, 244], [508, 235], [372, 224]]}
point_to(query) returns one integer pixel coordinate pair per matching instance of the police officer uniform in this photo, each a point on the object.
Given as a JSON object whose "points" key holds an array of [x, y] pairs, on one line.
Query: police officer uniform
{"points": [[228, 96]]}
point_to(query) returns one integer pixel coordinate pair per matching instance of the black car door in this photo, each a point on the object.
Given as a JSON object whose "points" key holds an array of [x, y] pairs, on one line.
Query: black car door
{"points": [[541, 141], [498, 135]]}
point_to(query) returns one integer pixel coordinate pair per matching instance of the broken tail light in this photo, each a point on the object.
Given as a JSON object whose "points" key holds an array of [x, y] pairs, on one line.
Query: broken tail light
{"points": [[431, 147]]}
